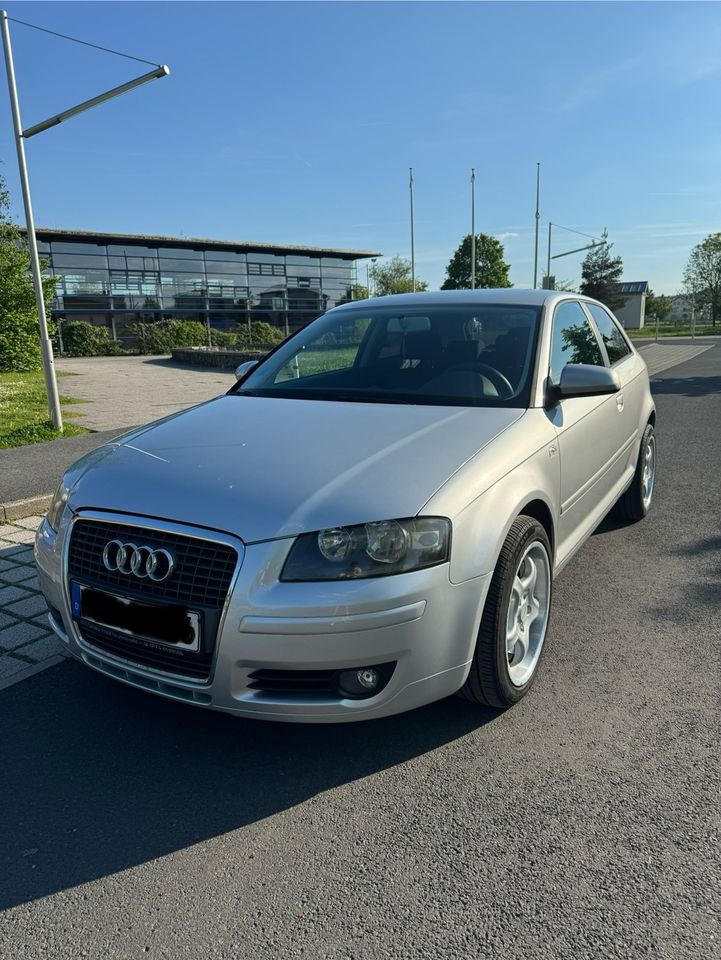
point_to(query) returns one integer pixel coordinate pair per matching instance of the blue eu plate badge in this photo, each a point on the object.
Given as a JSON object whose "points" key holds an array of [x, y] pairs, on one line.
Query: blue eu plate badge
{"points": [[75, 600]]}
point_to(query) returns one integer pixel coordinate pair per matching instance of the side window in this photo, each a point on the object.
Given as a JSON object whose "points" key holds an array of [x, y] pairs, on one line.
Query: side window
{"points": [[572, 340], [616, 346]]}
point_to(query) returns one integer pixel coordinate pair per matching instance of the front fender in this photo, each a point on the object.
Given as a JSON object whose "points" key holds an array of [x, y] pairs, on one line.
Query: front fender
{"points": [[482, 522]]}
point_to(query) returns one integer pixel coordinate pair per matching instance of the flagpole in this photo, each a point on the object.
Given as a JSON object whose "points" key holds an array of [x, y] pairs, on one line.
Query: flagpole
{"points": [[538, 217], [413, 242], [473, 228]]}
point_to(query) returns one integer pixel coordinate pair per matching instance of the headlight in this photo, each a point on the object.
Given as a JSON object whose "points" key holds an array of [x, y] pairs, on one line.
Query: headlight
{"points": [[57, 506], [369, 550]]}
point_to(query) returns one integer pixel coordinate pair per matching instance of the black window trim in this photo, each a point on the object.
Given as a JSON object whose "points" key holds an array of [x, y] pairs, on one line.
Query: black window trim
{"points": [[594, 331], [599, 335]]}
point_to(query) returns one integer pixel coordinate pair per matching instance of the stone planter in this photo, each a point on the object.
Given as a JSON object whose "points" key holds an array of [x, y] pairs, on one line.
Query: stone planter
{"points": [[215, 357]]}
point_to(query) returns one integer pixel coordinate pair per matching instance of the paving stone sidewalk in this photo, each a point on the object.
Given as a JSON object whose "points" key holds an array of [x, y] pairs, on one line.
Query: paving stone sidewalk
{"points": [[27, 644]]}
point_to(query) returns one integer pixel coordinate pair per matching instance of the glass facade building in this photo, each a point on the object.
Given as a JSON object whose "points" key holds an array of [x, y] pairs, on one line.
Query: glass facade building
{"points": [[114, 280]]}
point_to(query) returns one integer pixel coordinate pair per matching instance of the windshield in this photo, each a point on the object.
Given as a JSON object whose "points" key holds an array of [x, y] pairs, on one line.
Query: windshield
{"points": [[477, 355]]}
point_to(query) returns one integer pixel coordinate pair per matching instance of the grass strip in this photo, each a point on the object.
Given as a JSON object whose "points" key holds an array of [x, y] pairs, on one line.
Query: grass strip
{"points": [[24, 411]]}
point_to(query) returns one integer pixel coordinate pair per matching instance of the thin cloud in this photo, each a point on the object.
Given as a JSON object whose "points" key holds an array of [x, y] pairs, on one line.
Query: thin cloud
{"points": [[669, 57]]}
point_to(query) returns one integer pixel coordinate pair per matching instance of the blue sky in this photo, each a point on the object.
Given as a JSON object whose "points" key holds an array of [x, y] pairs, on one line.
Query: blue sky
{"points": [[297, 122]]}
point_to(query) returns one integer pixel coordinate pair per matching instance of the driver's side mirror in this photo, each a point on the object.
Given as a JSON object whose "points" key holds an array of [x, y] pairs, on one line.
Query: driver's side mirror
{"points": [[244, 369], [583, 380]]}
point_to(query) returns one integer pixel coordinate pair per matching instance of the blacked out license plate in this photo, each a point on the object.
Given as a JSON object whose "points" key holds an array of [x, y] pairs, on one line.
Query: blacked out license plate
{"points": [[167, 624]]}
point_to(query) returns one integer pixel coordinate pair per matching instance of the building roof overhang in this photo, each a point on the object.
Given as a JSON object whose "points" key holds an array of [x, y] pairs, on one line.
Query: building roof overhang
{"points": [[196, 243]]}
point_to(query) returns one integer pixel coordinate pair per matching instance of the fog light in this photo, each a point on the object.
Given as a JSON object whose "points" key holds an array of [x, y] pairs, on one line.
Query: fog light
{"points": [[361, 682], [367, 678], [358, 683]]}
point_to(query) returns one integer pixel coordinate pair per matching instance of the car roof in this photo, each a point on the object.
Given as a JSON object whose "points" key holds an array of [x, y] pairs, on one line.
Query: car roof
{"points": [[510, 295]]}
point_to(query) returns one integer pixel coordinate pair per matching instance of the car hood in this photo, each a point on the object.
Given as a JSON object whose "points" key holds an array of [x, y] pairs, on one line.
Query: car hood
{"points": [[263, 467]]}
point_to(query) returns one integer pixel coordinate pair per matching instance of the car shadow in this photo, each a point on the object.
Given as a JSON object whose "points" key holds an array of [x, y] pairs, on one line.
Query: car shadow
{"points": [[609, 525], [98, 777], [687, 386]]}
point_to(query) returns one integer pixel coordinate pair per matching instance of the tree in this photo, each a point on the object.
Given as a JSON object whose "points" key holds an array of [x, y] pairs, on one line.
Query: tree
{"points": [[658, 306], [19, 333], [394, 276], [702, 277], [600, 275], [357, 291], [491, 270], [564, 285]]}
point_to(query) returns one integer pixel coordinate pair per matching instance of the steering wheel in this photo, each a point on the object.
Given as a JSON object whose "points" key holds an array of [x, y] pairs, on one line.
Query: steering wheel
{"points": [[499, 381]]}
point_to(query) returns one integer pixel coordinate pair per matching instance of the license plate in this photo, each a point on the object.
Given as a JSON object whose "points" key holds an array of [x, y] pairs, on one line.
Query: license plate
{"points": [[169, 625]]}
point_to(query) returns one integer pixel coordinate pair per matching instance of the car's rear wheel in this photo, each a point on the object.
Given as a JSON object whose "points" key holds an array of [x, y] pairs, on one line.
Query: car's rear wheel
{"points": [[515, 619], [636, 501]]}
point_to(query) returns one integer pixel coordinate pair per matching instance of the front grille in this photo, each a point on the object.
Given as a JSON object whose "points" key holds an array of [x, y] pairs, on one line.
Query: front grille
{"points": [[285, 682], [201, 577], [193, 665], [200, 581]]}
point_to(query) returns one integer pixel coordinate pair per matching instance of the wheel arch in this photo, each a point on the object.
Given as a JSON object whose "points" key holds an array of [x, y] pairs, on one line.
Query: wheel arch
{"points": [[488, 521], [539, 510]]}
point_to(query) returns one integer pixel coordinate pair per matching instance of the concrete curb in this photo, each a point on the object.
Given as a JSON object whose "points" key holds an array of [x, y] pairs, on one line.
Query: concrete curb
{"points": [[32, 507]]}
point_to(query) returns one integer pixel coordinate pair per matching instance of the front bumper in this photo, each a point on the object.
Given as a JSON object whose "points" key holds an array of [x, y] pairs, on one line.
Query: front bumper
{"points": [[420, 621]]}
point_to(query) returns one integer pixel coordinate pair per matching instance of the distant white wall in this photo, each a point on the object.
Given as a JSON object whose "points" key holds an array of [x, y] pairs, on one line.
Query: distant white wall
{"points": [[633, 312]]}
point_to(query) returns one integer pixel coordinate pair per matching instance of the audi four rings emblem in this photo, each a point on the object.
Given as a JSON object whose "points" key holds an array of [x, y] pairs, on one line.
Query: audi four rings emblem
{"points": [[142, 562]]}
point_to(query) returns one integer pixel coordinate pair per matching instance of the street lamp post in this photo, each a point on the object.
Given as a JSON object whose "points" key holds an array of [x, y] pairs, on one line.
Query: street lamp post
{"points": [[567, 253], [413, 236], [538, 217], [46, 349], [473, 228]]}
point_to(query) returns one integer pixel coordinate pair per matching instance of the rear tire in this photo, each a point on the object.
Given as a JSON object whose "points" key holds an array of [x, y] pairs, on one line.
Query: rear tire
{"points": [[636, 501], [515, 619]]}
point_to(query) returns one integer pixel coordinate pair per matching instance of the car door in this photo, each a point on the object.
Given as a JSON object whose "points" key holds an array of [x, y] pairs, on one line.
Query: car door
{"points": [[629, 368], [586, 426]]}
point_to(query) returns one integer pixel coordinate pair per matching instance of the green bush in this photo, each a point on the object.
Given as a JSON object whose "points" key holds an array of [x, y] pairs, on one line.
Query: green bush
{"points": [[19, 335], [162, 336], [84, 339], [223, 338], [259, 334], [19, 341]]}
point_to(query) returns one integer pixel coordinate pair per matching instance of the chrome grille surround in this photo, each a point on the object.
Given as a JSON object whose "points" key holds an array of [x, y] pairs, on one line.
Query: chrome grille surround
{"points": [[150, 527]]}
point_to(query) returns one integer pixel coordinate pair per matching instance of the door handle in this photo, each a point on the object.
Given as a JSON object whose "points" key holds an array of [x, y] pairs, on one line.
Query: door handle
{"points": [[619, 402]]}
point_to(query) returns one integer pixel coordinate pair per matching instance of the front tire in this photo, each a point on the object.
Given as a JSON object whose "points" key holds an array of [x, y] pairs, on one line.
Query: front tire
{"points": [[636, 501], [515, 619]]}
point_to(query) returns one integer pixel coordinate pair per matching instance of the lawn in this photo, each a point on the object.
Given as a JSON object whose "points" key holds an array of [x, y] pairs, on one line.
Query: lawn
{"points": [[673, 330], [24, 411], [312, 361]]}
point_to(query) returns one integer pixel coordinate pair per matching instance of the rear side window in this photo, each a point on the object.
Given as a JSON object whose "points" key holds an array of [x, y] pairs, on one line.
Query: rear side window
{"points": [[616, 346], [573, 340]]}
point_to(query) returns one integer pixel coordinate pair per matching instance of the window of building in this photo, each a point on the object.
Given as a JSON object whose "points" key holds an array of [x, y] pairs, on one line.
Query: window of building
{"points": [[180, 253], [78, 260], [266, 269], [573, 339], [215, 267], [228, 256], [125, 262], [131, 250], [78, 248], [303, 266], [616, 346], [176, 266]]}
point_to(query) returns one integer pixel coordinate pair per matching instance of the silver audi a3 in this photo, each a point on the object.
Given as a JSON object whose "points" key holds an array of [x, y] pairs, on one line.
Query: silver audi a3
{"points": [[372, 517]]}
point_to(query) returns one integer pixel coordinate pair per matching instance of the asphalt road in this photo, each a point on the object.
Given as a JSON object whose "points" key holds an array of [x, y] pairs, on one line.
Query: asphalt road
{"points": [[36, 469], [583, 823]]}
